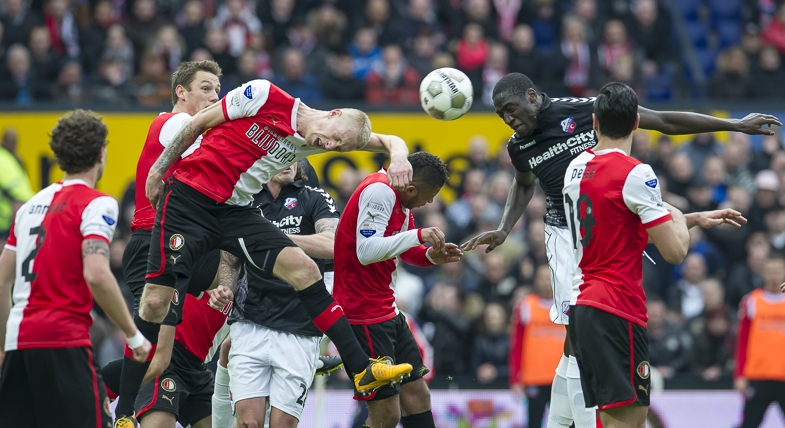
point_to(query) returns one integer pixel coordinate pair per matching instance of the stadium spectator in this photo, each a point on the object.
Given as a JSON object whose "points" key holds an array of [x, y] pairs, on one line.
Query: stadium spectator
{"points": [[144, 23], [774, 33], [192, 25], [364, 50], [761, 159], [731, 240], [732, 80], [338, 82], [446, 329], [774, 220], [93, 36], [712, 334], [14, 185], [685, 297], [216, 42], [237, 20], [736, 159], [496, 284], [295, 79], [767, 75], [615, 45], [423, 52], [471, 51], [492, 345], [10, 142], [587, 12], [329, 25], [495, 68], [169, 46], [392, 80], [119, 49], [277, 16], [422, 16], [45, 63], [387, 27], [581, 73], [669, 344], [650, 29], [112, 86], [152, 83], [70, 86], [22, 86], [264, 67], [482, 13], [18, 20], [747, 275], [714, 173], [303, 38], [701, 147], [62, 27], [246, 70]]}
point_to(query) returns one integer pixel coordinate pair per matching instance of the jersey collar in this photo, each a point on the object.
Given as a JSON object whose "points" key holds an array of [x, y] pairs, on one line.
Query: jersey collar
{"points": [[605, 151], [74, 181]]}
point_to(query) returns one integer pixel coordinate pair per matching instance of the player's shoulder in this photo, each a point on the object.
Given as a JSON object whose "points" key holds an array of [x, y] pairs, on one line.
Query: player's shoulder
{"points": [[569, 105]]}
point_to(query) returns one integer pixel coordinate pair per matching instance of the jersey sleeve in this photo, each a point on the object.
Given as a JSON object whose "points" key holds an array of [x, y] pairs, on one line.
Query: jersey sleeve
{"points": [[377, 202], [99, 218], [171, 127], [416, 256], [517, 162], [322, 205], [246, 100], [10, 243], [643, 196]]}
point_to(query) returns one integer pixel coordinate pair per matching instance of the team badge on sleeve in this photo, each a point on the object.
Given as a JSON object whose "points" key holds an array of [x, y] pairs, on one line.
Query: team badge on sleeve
{"points": [[652, 183], [109, 218], [367, 230], [290, 203], [568, 125], [248, 92]]}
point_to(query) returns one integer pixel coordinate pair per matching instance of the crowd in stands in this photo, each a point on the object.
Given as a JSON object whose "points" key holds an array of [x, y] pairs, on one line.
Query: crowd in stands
{"points": [[121, 52], [464, 308]]}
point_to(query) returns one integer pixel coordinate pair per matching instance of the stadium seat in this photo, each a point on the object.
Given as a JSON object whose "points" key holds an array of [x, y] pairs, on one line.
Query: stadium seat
{"points": [[697, 33], [688, 9], [728, 32], [725, 9], [707, 58], [658, 87]]}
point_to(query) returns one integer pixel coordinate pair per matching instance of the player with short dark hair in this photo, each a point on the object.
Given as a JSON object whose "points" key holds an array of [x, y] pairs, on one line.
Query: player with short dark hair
{"points": [[549, 133], [376, 230], [56, 261], [613, 207], [255, 132]]}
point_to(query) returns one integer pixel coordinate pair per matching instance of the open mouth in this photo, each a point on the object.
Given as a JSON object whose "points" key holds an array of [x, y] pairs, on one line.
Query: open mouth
{"points": [[318, 142]]}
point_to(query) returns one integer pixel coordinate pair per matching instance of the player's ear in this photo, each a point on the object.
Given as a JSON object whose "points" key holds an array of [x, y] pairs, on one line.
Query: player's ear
{"points": [[637, 121], [595, 124], [180, 91], [335, 112]]}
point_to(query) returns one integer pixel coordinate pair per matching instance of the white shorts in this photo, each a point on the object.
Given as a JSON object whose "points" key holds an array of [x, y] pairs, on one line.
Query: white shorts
{"points": [[561, 260], [271, 363]]}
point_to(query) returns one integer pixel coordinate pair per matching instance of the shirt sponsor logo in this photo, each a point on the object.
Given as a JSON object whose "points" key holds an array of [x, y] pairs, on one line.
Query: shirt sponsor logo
{"points": [[367, 232], [575, 145], [568, 125], [288, 221], [248, 92], [290, 203], [376, 206], [652, 183], [274, 143], [527, 145]]}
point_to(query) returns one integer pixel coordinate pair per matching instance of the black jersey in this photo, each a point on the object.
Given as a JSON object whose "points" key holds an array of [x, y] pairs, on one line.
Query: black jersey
{"points": [[269, 301], [565, 131]]}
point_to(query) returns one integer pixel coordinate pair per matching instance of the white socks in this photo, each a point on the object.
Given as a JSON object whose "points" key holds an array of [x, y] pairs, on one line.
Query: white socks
{"points": [[222, 405], [560, 414], [583, 417]]}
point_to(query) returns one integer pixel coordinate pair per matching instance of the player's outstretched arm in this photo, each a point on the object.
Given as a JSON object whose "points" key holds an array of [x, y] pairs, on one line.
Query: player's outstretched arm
{"points": [[209, 117], [228, 274], [679, 122], [163, 353], [709, 219], [400, 171], [321, 244], [448, 254], [671, 238], [518, 198], [7, 275], [103, 285]]}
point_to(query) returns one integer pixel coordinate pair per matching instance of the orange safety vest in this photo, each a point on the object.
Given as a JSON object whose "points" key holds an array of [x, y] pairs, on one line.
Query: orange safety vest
{"points": [[766, 344], [543, 344]]}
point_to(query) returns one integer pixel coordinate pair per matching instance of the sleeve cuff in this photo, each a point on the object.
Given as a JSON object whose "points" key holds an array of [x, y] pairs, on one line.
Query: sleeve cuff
{"points": [[419, 236], [428, 256], [10, 247], [657, 221], [223, 108], [96, 236]]}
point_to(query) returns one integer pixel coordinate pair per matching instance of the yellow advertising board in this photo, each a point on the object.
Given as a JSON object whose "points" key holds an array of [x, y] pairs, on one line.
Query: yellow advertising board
{"points": [[127, 132]]}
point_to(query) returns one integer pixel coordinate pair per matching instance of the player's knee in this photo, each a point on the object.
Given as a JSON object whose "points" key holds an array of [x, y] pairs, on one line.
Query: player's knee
{"points": [[226, 346], [249, 423]]}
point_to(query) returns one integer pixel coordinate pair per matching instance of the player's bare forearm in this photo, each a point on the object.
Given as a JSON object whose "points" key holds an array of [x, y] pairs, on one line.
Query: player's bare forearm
{"points": [[321, 244], [163, 353], [103, 285], [393, 145], [179, 144], [229, 271], [678, 122], [7, 274], [518, 199]]}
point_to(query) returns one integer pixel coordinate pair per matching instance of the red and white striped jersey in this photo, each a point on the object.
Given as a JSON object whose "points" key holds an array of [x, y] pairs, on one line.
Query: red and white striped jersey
{"points": [[374, 230], [258, 140], [201, 326], [51, 300], [162, 131], [611, 199]]}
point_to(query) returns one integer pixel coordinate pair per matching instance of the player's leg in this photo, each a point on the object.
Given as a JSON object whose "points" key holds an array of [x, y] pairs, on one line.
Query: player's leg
{"points": [[16, 392], [293, 359], [415, 397], [279, 418], [384, 413], [263, 246], [629, 416], [185, 229], [221, 401], [567, 401], [755, 405], [197, 407], [157, 419], [250, 373]]}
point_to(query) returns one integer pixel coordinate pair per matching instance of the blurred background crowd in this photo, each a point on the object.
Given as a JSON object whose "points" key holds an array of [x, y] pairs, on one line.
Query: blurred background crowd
{"points": [[464, 309], [376, 51]]}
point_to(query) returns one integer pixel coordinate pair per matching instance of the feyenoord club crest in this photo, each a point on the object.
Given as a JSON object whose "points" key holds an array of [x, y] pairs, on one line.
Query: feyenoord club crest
{"points": [[568, 125], [643, 370], [168, 385], [290, 203], [176, 242], [176, 298]]}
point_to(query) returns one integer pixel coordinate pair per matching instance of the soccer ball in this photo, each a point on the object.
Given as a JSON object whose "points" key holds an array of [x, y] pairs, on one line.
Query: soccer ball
{"points": [[446, 93]]}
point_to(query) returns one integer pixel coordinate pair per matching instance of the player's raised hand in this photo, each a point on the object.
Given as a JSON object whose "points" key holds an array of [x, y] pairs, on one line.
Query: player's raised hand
{"points": [[492, 239], [433, 236], [709, 219], [141, 352], [449, 253], [154, 188], [758, 123], [399, 173], [220, 297]]}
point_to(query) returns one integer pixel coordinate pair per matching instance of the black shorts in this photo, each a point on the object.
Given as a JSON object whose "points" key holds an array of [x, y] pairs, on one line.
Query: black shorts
{"points": [[53, 386], [135, 269], [190, 224], [613, 356], [184, 389], [390, 338]]}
